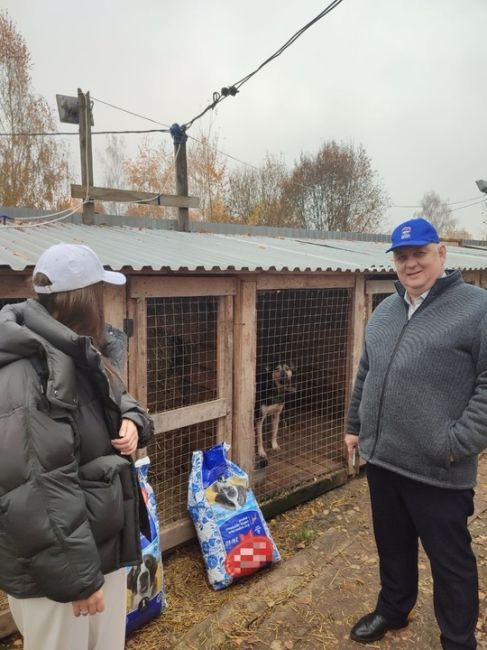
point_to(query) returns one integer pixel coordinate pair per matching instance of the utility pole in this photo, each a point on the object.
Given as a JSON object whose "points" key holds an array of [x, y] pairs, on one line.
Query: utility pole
{"points": [[179, 137], [85, 121], [77, 110]]}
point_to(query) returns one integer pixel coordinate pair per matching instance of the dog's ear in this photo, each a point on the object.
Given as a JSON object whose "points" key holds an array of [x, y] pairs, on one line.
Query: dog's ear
{"points": [[152, 565], [131, 581]]}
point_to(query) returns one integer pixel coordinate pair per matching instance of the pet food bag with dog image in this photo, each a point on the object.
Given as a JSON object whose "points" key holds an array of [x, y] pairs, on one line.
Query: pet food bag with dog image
{"points": [[145, 583], [233, 535]]}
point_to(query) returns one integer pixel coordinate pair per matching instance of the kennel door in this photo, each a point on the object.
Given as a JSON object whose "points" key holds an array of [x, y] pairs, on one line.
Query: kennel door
{"points": [[180, 367]]}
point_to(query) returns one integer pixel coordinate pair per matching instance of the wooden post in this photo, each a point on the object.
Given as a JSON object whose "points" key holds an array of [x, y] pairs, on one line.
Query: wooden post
{"points": [[179, 137], [245, 342], [86, 155]]}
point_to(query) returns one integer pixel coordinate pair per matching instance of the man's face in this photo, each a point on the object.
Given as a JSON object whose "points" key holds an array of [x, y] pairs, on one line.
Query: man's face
{"points": [[418, 267]]}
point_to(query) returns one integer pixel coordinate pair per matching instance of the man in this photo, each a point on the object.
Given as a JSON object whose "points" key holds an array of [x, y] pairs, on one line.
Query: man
{"points": [[419, 414]]}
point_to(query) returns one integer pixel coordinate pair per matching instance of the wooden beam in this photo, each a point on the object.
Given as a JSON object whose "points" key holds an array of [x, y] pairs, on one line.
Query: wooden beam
{"points": [[189, 415], [86, 154], [176, 534], [115, 305], [172, 287], [244, 376], [379, 286], [181, 178], [16, 287], [132, 196], [359, 316], [298, 281], [225, 365]]}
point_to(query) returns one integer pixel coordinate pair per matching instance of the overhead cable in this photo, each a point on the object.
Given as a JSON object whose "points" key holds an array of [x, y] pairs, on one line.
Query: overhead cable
{"points": [[231, 91]]}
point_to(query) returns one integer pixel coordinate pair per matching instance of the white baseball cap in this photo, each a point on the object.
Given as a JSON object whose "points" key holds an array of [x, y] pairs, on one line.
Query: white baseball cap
{"points": [[73, 266]]}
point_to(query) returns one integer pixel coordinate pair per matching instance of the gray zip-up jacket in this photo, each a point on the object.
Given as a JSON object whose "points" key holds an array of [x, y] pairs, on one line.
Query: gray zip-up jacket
{"points": [[419, 403], [69, 511]]}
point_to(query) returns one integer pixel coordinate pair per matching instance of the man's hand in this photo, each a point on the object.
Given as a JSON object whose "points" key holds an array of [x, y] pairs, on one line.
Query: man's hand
{"points": [[93, 605], [351, 445], [351, 442], [126, 444]]}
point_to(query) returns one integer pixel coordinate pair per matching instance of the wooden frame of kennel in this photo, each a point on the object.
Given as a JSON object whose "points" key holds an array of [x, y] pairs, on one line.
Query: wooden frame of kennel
{"points": [[141, 288]]}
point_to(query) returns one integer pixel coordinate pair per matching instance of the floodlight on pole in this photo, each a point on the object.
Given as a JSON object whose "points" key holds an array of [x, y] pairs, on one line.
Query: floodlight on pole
{"points": [[69, 109], [482, 185]]}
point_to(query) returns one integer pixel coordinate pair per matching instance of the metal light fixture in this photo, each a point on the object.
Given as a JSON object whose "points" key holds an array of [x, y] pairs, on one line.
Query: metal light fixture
{"points": [[68, 109], [482, 185]]}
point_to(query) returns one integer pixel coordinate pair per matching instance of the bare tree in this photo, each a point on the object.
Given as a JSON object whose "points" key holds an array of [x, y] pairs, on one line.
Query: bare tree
{"points": [[206, 177], [255, 195], [113, 160], [438, 213], [152, 170], [33, 169], [336, 189]]}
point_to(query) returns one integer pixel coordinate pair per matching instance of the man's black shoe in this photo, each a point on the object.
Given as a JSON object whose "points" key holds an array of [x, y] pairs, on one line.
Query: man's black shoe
{"points": [[372, 627]]}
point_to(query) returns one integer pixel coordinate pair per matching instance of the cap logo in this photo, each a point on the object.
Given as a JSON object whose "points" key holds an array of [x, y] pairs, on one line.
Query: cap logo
{"points": [[406, 232]]}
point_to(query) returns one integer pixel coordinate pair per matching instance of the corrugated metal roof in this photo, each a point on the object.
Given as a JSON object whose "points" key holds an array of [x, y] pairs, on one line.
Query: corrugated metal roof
{"points": [[139, 248]]}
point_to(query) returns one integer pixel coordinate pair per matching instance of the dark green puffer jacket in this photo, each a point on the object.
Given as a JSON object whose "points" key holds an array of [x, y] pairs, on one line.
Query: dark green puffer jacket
{"points": [[68, 503]]}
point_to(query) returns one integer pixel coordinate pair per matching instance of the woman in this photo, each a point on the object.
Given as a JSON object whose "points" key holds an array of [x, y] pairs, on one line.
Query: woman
{"points": [[69, 509]]}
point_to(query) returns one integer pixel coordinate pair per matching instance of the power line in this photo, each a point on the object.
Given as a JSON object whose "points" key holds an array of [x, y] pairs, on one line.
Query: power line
{"points": [[474, 198], [231, 91], [28, 134], [124, 110]]}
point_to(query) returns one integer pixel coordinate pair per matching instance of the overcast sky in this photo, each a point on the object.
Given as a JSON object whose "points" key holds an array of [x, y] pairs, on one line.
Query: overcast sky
{"points": [[405, 78]]}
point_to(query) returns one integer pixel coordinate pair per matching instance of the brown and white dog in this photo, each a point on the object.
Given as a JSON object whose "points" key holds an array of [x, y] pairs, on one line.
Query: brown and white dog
{"points": [[142, 582], [272, 387]]}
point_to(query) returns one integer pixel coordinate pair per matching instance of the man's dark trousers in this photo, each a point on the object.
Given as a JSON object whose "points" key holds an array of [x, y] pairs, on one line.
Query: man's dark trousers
{"points": [[403, 510]]}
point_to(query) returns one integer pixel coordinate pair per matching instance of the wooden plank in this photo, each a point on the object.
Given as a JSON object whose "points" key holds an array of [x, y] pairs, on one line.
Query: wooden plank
{"points": [[181, 166], [244, 376], [472, 277], [133, 347], [301, 281], [7, 625], [225, 365], [16, 287], [379, 286], [176, 534], [356, 342], [165, 287], [189, 415], [303, 494], [140, 331], [115, 309], [133, 196]]}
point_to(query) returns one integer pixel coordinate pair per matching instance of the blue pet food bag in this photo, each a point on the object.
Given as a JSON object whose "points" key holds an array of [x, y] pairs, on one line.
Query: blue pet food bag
{"points": [[145, 583], [233, 535]]}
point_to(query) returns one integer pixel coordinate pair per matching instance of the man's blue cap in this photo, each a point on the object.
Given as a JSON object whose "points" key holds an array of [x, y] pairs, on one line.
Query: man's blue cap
{"points": [[415, 232]]}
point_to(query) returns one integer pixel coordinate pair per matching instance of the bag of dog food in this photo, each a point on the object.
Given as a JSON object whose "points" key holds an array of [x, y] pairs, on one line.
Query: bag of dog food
{"points": [[146, 596], [233, 535]]}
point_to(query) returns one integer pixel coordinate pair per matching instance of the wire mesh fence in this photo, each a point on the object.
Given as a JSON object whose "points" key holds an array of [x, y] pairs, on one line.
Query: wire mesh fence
{"points": [[306, 333], [181, 371], [170, 455], [181, 352]]}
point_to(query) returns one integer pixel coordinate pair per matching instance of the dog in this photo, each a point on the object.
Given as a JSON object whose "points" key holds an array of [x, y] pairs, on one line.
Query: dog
{"points": [[228, 494], [273, 385], [141, 581]]}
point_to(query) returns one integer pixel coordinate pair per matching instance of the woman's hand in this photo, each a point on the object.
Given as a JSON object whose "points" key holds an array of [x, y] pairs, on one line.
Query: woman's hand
{"points": [[126, 444], [93, 605]]}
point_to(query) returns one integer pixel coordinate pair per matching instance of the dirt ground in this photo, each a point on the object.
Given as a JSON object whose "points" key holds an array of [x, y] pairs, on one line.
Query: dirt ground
{"points": [[327, 579]]}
